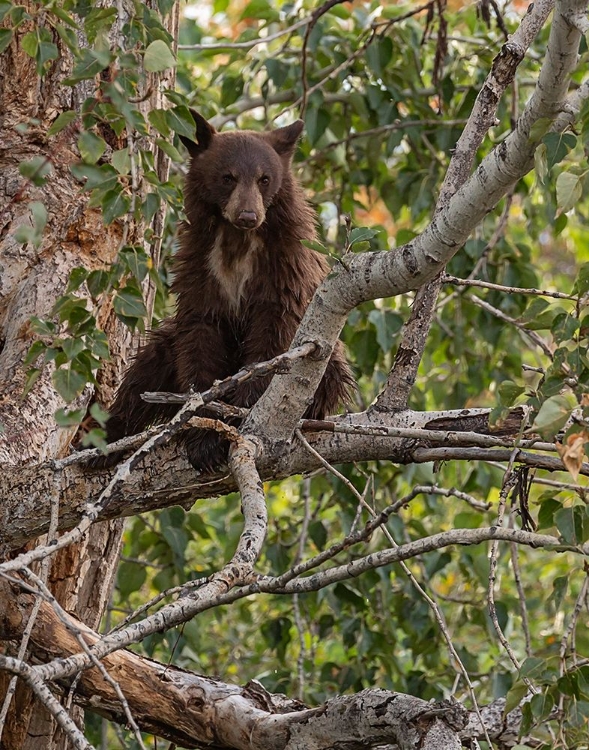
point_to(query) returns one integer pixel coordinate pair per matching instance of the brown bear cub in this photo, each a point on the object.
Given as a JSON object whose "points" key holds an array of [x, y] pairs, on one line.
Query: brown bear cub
{"points": [[242, 279]]}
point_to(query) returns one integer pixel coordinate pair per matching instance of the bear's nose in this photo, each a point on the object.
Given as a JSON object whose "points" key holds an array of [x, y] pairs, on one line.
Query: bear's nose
{"points": [[247, 219]]}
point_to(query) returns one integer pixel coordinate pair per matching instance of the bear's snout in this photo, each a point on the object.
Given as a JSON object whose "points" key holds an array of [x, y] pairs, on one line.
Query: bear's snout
{"points": [[247, 220]]}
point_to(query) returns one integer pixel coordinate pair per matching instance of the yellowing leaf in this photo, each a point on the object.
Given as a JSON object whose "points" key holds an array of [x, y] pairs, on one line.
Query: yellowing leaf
{"points": [[572, 452]]}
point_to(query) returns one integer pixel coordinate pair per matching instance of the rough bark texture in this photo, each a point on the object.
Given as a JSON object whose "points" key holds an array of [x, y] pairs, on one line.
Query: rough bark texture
{"points": [[31, 279], [166, 478]]}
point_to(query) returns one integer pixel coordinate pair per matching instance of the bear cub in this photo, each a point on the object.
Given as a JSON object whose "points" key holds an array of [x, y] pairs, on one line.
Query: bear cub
{"points": [[242, 280]]}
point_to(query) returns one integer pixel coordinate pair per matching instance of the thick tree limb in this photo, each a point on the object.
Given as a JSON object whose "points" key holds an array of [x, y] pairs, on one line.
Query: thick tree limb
{"points": [[164, 477], [192, 710]]}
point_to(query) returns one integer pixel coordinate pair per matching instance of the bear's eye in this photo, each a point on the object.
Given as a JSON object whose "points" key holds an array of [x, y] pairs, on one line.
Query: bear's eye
{"points": [[228, 179], [264, 180]]}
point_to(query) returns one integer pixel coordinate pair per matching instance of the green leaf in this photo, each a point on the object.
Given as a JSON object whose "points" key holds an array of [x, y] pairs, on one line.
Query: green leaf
{"points": [[91, 63], [35, 350], [31, 379], [573, 524], [5, 39], [91, 147], [180, 121], [548, 507], [137, 261], [121, 161], [387, 324], [540, 128], [33, 234], [77, 278], [361, 234], [231, 89], [542, 706], [99, 414], [260, 9], [128, 304], [130, 578], [30, 43], [170, 150], [278, 71], [97, 282], [39, 213], [103, 177], [114, 205], [42, 327], [316, 123], [535, 667], [559, 589], [158, 118], [541, 162], [61, 122], [346, 593], [5, 8], [569, 189], [318, 534], [158, 57], [509, 392], [554, 414], [317, 246], [581, 285], [558, 146], [69, 417], [379, 54], [69, 383], [36, 170], [47, 51], [72, 347], [149, 206]]}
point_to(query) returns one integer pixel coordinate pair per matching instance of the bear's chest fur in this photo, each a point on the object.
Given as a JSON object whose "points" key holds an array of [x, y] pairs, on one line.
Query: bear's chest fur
{"points": [[232, 264]]}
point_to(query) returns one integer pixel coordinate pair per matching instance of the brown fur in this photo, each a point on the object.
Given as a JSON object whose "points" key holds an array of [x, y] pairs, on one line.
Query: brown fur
{"points": [[243, 281]]}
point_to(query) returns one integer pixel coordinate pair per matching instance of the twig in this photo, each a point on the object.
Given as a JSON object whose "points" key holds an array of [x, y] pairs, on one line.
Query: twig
{"points": [[570, 630], [500, 315], [315, 16], [296, 604], [523, 609], [222, 387], [509, 480], [250, 43], [447, 437], [446, 279]]}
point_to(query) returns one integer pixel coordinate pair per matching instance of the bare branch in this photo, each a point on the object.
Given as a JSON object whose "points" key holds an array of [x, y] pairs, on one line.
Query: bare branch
{"points": [[446, 279]]}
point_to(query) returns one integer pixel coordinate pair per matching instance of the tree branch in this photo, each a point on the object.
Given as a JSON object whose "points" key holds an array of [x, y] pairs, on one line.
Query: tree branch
{"points": [[373, 275]]}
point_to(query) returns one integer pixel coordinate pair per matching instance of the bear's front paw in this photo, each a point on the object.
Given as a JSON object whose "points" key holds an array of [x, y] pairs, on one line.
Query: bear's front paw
{"points": [[207, 450]]}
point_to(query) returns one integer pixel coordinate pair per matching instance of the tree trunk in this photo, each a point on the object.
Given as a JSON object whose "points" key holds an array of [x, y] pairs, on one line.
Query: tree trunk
{"points": [[31, 279]]}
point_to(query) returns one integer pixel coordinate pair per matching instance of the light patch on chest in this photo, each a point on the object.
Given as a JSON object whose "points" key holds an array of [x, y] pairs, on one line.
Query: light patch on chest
{"points": [[232, 274]]}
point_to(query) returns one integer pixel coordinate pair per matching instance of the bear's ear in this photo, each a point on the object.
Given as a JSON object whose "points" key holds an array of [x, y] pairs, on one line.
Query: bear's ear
{"points": [[204, 133], [285, 139]]}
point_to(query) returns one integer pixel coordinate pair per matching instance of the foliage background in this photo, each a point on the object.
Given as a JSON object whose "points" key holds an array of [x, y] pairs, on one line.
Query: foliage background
{"points": [[367, 72]]}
